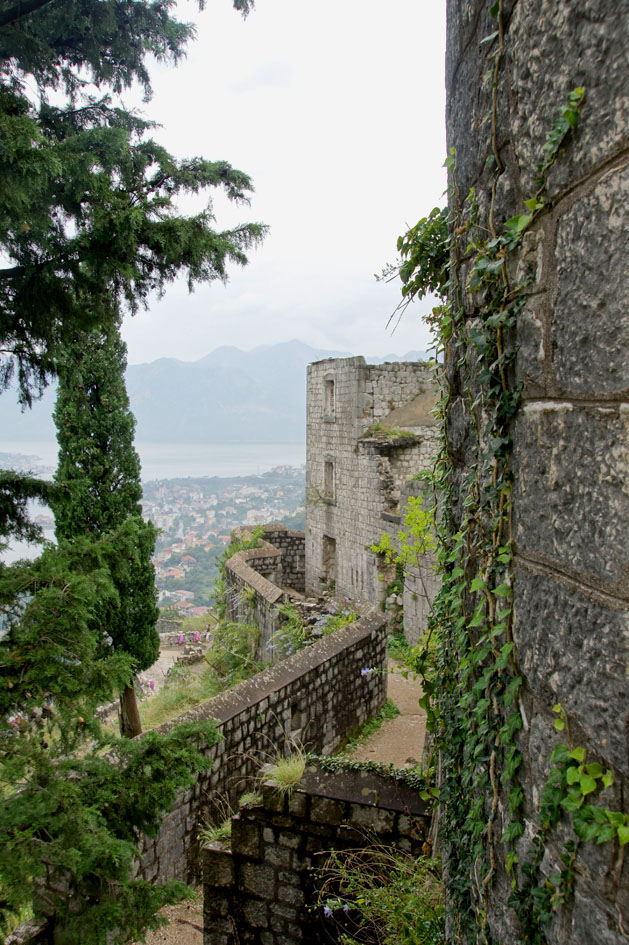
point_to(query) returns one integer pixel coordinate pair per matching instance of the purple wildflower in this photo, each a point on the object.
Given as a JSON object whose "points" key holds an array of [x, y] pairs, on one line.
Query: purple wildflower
{"points": [[327, 911]]}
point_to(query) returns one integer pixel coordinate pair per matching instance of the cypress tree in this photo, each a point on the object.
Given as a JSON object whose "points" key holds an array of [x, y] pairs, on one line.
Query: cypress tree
{"points": [[99, 476]]}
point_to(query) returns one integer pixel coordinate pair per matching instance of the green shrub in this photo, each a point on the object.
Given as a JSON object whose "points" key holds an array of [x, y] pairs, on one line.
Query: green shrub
{"points": [[231, 656], [378, 894]]}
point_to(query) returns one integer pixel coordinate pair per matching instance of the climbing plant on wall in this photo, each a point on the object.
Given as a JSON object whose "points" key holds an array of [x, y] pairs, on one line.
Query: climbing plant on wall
{"points": [[471, 671]]}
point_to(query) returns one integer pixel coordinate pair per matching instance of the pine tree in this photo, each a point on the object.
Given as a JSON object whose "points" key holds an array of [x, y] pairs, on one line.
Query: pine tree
{"points": [[88, 215], [74, 800], [99, 476]]}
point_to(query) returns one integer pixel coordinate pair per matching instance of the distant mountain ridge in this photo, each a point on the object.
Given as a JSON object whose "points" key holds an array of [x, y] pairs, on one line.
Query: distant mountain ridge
{"points": [[228, 396]]}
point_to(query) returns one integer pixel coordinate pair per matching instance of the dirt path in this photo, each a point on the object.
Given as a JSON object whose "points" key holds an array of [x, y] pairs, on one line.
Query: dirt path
{"points": [[400, 741], [186, 924]]}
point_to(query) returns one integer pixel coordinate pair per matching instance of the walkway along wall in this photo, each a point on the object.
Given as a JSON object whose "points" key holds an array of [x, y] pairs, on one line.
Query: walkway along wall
{"points": [[568, 441], [315, 698]]}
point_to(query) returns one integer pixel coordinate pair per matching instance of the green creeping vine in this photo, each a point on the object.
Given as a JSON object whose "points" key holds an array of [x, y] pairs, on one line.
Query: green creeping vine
{"points": [[470, 669]]}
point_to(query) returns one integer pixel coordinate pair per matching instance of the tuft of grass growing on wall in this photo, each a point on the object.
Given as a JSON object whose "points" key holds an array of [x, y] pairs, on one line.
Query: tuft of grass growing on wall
{"points": [[286, 772], [211, 833]]}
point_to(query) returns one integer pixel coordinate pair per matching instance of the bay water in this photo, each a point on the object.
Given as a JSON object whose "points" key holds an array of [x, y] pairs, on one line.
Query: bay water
{"points": [[159, 461]]}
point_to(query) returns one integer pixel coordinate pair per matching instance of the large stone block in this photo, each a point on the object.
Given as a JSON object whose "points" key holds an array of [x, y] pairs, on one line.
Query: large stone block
{"points": [[258, 879], [590, 327], [574, 650], [571, 494], [586, 44]]}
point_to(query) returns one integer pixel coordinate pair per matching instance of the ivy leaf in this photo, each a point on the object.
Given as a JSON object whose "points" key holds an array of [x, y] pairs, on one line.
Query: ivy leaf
{"points": [[503, 590], [578, 754], [588, 784], [573, 775], [477, 584], [535, 203], [560, 753], [623, 835], [594, 769], [518, 223], [478, 618], [607, 779], [572, 802], [584, 830], [606, 833], [615, 817]]}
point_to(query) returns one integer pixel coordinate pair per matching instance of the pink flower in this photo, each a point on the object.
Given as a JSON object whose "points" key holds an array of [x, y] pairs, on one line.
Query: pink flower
{"points": [[152, 684], [180, 639]]}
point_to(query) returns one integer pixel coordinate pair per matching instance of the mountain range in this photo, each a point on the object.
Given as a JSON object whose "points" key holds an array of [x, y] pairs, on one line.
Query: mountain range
{"points": [[228, 396]]}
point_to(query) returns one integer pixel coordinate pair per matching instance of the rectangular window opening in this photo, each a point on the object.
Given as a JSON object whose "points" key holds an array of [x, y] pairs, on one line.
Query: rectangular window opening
{"points": [[329, 398]]}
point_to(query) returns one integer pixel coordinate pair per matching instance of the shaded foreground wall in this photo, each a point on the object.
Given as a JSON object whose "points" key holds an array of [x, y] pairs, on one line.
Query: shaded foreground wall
{"points": [[570, 454], [263, 889]]}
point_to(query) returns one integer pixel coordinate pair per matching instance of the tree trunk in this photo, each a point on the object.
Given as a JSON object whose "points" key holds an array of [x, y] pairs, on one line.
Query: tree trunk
{"points": [[130, 724]]}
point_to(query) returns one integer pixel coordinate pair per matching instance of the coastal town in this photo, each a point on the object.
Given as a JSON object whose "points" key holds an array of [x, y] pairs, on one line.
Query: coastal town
{"points": [[195, 518]]}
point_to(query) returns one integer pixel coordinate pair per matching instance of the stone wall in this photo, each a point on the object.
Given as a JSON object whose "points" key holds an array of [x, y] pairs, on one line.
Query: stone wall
{"points": [[315, 698], [291, 544], [259, 579], [570, 454], [262, 890], [357, 465]]}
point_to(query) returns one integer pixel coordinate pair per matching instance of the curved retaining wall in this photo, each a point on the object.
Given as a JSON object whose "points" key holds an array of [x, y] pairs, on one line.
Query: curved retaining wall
{"points": [[315, 698], [259, 579]]}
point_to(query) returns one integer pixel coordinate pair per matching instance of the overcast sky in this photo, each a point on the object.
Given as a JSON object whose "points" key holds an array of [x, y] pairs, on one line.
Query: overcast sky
{"points": [[336, 109]]}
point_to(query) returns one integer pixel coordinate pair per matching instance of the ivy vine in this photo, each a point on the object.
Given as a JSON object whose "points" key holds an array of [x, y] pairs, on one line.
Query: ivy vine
{"points": [[470, 669]]}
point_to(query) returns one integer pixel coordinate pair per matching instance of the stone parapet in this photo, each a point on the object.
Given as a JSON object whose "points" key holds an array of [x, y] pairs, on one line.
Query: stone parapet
{"points": [[258, 579]]}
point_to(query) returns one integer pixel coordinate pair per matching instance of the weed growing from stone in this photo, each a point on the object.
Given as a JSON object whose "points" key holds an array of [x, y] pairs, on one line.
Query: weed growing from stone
{"points": [[286, 772], [295, 633], [382, 896]]}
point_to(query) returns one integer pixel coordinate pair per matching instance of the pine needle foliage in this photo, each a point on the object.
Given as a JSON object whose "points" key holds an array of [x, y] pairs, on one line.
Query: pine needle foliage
{"points": [[74, 801], [88, 203]]}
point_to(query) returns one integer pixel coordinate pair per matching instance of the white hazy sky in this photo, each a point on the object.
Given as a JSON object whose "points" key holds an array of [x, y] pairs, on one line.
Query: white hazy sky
{"points": [[336, 109]]}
